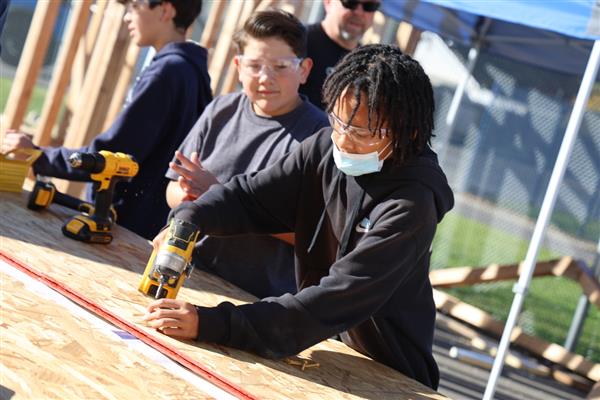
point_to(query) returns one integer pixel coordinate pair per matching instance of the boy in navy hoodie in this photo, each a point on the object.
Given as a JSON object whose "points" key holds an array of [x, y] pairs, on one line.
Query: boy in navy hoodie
{"points": [[165, 102], [364, 199]]}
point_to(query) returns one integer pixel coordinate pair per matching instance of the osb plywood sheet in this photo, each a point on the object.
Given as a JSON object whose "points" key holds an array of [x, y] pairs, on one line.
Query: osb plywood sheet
{"points": [[109, 275], [48, 352]]}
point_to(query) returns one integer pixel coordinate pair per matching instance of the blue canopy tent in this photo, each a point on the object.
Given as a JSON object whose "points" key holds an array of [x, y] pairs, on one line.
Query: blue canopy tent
{"points": [[561, 35]]}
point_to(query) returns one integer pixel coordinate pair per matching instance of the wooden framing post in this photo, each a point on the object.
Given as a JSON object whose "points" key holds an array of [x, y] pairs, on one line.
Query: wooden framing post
{"points": [[212, 25], [120, 92], [292, 6], [564, 267], [375, 32], [32, 57], [99, 84], [222, 53], [60, 79], [230, 74], [86, 46], [408, 37]]}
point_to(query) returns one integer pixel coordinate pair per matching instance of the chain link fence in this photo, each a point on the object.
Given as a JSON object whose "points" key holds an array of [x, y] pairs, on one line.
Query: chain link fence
{"points": [[498, 158]]}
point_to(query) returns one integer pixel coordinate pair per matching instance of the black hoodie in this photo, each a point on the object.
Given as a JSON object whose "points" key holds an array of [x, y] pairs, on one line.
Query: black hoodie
{"points": [[165, 102], [362, 256]]}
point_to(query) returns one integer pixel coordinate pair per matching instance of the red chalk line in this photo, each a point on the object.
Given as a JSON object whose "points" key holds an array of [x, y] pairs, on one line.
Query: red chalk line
{"points": [[164, 348]]}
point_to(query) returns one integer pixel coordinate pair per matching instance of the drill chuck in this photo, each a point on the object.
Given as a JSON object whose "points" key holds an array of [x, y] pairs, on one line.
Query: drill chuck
{"points": [[90, 162], [169, 265]]}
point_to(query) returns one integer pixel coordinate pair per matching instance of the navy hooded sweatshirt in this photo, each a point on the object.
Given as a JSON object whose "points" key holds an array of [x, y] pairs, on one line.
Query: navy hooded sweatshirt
{"points": [[362, 256], [165, 102]]}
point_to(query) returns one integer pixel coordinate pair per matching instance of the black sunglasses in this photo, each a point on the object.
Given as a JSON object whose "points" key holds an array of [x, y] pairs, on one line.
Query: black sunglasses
{"points": [[367, 6]]}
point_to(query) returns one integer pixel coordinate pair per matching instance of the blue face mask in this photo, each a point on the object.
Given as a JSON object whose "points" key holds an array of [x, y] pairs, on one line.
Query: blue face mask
{"points": [[357, 164]]}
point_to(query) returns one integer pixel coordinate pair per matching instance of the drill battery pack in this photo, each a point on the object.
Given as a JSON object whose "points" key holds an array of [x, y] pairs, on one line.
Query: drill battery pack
{"points": [[84, 228]]}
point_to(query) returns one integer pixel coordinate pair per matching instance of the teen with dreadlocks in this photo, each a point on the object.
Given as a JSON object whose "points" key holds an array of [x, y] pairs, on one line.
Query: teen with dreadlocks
{"points": [[364, 209]]}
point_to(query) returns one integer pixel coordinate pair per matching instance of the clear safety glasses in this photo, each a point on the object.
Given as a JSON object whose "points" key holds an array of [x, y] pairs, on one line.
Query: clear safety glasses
{"points": [[280, 66], [360, 136]]}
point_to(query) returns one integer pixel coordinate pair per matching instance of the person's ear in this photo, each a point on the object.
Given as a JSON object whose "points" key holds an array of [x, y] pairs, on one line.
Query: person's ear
{"points": [[305, 68], [169, 12], [236, 62]]}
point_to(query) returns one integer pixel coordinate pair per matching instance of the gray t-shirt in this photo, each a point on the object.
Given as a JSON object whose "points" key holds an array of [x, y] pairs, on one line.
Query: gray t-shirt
{"points": [[231, 139]]}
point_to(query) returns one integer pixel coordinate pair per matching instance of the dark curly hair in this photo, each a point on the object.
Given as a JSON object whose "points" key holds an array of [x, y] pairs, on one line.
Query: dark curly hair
{"points": [[397, 91]]}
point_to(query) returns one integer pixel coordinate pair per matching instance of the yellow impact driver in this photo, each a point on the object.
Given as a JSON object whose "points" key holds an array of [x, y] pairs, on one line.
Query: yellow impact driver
{"points": [[168, 266], [106, 170]]}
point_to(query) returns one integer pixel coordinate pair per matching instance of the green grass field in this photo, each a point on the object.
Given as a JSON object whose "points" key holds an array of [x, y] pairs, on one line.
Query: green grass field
{"points": [[550, 302]]}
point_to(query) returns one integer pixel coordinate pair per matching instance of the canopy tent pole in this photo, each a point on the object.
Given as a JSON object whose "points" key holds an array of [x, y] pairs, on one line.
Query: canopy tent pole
{"points": [[459, 93], [582, 309], [521, 287]]}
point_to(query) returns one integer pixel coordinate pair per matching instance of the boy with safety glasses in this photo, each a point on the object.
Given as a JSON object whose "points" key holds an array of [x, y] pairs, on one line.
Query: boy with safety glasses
{"points": [[345, 23], [364, 199], [245, 132]]}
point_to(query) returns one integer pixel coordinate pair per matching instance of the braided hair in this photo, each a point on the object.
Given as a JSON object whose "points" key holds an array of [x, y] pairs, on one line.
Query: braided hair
{"points": [[397, 91]]}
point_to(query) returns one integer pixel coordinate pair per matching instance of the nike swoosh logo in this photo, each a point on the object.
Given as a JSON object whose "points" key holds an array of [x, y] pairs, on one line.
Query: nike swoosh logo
{"points": [[363, 226]]}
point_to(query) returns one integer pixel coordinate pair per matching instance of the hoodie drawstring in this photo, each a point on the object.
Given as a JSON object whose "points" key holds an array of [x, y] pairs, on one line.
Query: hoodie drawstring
{"points": [[350, 224], [322, 218]]}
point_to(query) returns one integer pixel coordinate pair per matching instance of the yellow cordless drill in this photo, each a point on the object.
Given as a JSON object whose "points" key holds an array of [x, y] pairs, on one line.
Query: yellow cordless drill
{"points": [[169, 265], [106, 170]]}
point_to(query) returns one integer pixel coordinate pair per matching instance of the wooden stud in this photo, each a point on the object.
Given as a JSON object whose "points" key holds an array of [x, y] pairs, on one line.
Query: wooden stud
{"points": [[594, 394], [63, 125], [207, 40], [484, 344], [291, 6], [573, 380], [123, 85], [462, 276], [222, 52], [94, 82], [60, 79], [375, 32], [230, 79], [550, 351], [566, 267], [84, 52], [589, 284], [408, 37], [32, 57], [100, 80]]}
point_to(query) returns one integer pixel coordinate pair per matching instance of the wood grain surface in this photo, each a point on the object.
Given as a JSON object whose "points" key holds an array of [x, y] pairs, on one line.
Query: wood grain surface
{"points": [[110, 274], [49, 352]]}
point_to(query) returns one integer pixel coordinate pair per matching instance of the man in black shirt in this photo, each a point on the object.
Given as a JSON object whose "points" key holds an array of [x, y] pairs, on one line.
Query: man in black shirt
{"points": [[331, 39]]}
